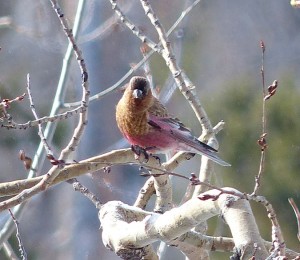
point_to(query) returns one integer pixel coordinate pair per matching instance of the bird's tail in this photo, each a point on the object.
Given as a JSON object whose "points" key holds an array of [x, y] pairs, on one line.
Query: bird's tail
{"points": [[213, 156]]}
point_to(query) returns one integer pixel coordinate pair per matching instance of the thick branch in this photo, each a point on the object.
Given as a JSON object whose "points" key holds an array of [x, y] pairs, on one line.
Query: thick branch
{"points": [[126, 227]]}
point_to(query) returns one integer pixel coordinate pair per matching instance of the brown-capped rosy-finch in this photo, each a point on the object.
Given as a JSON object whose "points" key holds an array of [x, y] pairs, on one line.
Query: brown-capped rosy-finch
{"points": [[145, 122]]}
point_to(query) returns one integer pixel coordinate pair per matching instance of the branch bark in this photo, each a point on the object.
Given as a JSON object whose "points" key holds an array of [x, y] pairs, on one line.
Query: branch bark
{"points": [[127, 228]]}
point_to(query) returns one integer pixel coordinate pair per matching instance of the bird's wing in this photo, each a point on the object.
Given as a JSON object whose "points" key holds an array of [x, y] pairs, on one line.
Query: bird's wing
{"points": [[177, 130]]}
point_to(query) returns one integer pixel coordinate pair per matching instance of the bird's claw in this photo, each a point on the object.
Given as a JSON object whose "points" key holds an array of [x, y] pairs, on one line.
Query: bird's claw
{"points": [[138, 151], [156, 158]]}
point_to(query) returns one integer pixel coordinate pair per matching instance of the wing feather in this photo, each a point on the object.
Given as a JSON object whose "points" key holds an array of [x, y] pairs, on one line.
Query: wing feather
{"points": [[179, 132]]}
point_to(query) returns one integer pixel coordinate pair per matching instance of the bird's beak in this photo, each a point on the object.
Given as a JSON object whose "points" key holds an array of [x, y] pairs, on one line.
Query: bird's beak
{"points": [[137, 93]]}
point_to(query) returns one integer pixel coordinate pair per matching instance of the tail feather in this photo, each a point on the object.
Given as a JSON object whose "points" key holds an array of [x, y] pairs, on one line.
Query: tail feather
{"points": [[212, 156]]}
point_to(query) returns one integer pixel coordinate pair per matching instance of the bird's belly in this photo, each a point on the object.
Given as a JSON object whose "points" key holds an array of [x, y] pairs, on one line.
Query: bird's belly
{"points": [[156, 142]]}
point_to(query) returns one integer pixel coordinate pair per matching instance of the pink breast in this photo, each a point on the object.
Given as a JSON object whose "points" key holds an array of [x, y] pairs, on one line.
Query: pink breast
{"points": [[161, 142]]}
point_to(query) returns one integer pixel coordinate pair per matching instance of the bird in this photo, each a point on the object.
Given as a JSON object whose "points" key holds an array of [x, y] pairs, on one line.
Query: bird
{"points": [[145, 122]]}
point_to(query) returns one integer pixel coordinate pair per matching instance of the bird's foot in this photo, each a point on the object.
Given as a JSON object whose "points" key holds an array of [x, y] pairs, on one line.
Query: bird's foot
{"points": [[143, 154], [138, 151], [156, 158], [151, 149]]}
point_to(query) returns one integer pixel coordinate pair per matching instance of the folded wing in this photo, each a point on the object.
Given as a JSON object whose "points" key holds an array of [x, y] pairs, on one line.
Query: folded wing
{"points": [[186, 141]]}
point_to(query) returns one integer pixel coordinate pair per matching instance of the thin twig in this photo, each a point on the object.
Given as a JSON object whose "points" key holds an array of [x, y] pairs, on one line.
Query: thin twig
{"points": [[105, 28], [21, 246], [169, 88], [43, 120], [135, 30], [264, 119], [85, 95], [297, 214], [262, 140], [32, 106], [85, 191], [5, 104], [147, 70]]}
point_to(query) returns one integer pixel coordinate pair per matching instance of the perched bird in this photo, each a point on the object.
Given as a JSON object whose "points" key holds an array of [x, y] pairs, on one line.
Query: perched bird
{"points": [[145, 122]]}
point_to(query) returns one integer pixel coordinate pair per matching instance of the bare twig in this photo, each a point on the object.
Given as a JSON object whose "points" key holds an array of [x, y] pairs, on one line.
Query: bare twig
{"points": [[135, 30], [85, 97], [21, 246], [85, 191], [5, 104], [41, 134], [297, 214], [170, 86], [277, 236], [147, 71], [43, 120], [262, 141]]}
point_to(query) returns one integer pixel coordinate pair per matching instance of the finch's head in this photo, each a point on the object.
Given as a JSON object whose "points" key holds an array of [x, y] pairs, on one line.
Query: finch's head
{"points": [[139, 87], [138, 94]]}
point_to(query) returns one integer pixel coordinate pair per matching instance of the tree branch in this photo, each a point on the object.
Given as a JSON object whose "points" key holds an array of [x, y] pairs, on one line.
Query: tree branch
{"points": [[130, 228]]}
